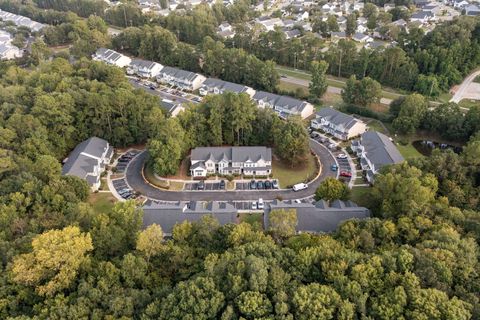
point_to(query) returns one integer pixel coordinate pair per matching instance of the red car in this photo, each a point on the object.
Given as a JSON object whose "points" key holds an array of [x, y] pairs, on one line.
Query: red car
{"points": [[346, 174]]}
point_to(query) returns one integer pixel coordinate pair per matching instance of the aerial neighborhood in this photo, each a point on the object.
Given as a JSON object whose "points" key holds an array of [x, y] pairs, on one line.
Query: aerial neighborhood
{"points": [[237, 159]]}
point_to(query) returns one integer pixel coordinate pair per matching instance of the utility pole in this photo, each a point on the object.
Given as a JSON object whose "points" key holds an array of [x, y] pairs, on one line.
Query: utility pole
{"points": [[125, 16]]}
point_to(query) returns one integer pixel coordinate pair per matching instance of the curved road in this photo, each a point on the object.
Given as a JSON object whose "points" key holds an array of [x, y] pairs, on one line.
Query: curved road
{"points": [[463, 92], [136, 182]]}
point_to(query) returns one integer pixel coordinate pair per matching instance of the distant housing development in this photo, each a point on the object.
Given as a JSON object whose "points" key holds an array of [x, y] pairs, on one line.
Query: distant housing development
{"points": [[340, 125], [231, 160], [21, 21], [88, 160], [375, 150], [7, 50], [283, 105], [320, 216]]}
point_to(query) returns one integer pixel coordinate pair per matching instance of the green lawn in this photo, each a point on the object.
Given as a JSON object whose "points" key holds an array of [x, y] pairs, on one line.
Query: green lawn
{"points": [[102, 202], [164, 184], [376, 125], [469, 103], [288, 176], [291, 87], [408, 151], [254, 219], [358, 195]]}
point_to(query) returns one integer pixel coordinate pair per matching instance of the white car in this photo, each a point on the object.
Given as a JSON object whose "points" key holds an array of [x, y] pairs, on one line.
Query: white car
{"points": [[342, 156], [254, 205], [260, 203], [300, 186], [332, 146]]}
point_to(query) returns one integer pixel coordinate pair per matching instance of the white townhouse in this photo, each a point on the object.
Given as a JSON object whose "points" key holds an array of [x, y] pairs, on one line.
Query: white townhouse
{"points": [[143, 68], [375, 150], [340, 125], [231, 160], [284, 106], [269, 24], [422, 16], [7, 50], [88, 161], [111, 57], [182, 79], [21, 21], [217, 86], [360, 37]]}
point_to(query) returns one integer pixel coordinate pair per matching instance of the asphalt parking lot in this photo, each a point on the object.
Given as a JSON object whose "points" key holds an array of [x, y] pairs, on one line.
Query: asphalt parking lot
{"points": [[209, 186], [247, 185], [343, 164], [124, 159], [123, 189]]}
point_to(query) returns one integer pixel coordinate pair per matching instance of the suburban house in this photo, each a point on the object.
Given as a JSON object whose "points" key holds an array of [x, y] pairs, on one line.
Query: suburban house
{"points": [[269, 24], [168, 215], [7, 50], [225, 30], [337, 35], [172, 108], [291, 34], [88, 160], [375, 150], [360, 37], [231, 160], [21, 21], [472, 10], [422, 16], [217, 86], [182, 79], [319, 217], [340, 125], [143, 68], [284, 106], [111, 57]]}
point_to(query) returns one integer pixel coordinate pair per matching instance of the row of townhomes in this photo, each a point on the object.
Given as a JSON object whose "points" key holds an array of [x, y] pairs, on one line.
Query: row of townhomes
{"points": [[88, 161], [320, 217], [21, 21], [231, 160], [340, 125], [191, 81], [7, 50], [375, 150]]}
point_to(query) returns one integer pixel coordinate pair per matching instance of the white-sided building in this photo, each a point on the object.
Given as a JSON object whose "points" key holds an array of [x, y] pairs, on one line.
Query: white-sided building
{"points": [[182, 79], [231, 160], [284, 106], [111, 57], [88, 161], [340, 125], [143, 68], [217, 86], [375, 150], [21, 21], [269, 24], [7, 50]]}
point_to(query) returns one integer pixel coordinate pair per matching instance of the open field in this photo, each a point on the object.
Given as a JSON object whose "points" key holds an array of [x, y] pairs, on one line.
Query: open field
{"points": [[102, 202], [288, 176]]}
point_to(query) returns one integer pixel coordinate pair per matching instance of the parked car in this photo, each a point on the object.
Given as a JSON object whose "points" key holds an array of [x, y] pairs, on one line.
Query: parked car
{"points": [[268, 185], [254, 205], [347, 174], [253, 185], [201, 185], [332, 146], [222, 184], [297, 201], [275, 184], [334, 167], [342, 156], [260, 185], [260, 204], [300, 186]]}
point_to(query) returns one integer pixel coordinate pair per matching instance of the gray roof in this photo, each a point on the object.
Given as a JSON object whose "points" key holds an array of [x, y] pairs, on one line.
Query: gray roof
{"points": [[21, 20], [108, 54], [359, 36], [289, 103], [320, 217], [421, 15], [168, 215], [339, 34], [169, 106], [80, 162], [179, 73], [144, 64], [338, 118], [233, 154], [379, 149], [224, 86]]}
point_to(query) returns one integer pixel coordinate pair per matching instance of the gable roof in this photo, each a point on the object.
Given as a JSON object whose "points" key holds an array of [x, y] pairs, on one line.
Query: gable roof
{"points": [[338, 118], [82, 160], [226, 86], [284, 102], [233, 154], [143, 64], [179, 73], [379, 149], [21, 20], [168, 215], [320, 217]]}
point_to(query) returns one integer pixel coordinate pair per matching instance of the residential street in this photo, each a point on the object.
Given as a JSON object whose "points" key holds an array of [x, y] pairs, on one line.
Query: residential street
{"points": [[136, 182], [468, 89]]}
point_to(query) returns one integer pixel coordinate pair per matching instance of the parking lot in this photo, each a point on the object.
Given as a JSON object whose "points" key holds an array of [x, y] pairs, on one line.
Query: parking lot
{"points": [[343, 164], [124, 159], [257, 185], [208, 186], [123, 189]]}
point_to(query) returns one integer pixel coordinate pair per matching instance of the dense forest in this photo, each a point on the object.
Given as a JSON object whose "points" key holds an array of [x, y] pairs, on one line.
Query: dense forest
{"points": [[417, 258]]}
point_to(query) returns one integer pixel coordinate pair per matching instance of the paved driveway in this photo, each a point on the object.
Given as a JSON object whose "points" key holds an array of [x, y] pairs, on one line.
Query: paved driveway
{"points": [[136, 182]]}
